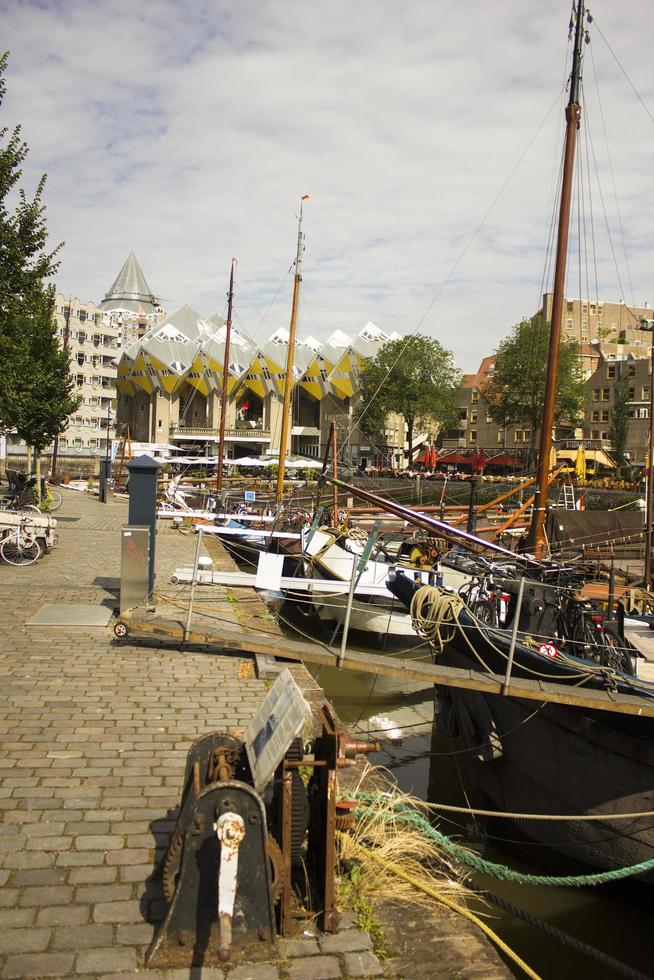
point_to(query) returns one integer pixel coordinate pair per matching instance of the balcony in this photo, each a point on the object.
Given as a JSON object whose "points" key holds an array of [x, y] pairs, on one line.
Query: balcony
{"points": [[242, 431]]}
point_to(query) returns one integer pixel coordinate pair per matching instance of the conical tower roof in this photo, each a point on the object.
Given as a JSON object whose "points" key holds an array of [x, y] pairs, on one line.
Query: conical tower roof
{"points": [[130, 290]]}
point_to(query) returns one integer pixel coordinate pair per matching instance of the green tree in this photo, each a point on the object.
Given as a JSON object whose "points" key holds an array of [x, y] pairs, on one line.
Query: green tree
{"points": [[415, 378], [619, 429], [516, 390], [36, 390]]}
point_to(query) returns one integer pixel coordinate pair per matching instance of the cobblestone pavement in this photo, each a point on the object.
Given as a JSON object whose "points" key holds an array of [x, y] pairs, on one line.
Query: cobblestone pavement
{"points": [[93, 742]]}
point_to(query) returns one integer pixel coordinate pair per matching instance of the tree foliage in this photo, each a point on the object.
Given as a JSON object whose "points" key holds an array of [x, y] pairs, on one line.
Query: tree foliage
{"points": [[516, 390], [619, 429], [36, 390], [414, 377]]}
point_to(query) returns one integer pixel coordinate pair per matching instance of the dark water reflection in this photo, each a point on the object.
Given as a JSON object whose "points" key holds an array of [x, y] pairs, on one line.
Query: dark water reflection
{"points": [[616, 919]]}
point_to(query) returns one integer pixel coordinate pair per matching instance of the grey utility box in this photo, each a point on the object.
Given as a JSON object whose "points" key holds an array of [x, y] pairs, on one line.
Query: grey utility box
{"points": [[143, 501], [134, 566]]}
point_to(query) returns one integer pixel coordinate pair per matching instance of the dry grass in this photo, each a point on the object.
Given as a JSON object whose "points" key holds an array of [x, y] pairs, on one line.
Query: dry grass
{"points": [[381, 833]]}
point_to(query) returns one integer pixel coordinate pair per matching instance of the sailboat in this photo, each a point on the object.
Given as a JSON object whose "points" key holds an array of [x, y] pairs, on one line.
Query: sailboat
{"points": [[575, 778]]}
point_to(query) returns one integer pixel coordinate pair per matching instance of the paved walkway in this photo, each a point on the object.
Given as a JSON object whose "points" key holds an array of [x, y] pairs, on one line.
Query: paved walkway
{"points": [[94, 737]]}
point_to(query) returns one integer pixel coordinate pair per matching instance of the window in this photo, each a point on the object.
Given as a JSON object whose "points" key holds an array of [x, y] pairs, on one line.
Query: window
{"points": [[463, 414], [79, 380], [584, 307], [644, 392], [605, 415], [595, 416], [521, 435], [158, 423], [80, 358], [473, 416], [631, 370], [596, 394], [600, 323], [605, 436], [489, 417], [569, 323], [614, 328], [472, 436], [81, 336], [592, 309], [605, 394], [570, 307], [610, 372], [500, 437], [475, 396], [594, 434], [82, 316], [584, 324], [643, 413], [632, 394]]}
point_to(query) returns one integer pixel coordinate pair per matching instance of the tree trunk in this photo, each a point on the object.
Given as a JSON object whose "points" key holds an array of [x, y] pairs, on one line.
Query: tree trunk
{"points": [[409, 436]]}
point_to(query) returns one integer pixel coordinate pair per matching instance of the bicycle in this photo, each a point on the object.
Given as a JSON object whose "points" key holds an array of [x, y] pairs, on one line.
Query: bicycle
{"points": [[20, 546]]}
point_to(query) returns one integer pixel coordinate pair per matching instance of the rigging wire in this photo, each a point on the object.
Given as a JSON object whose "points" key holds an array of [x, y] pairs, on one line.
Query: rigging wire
{"points": [[612, 174]]}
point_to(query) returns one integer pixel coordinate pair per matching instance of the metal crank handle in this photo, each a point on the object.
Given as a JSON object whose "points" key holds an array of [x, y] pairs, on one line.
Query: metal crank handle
{"points": [[230, 829]]}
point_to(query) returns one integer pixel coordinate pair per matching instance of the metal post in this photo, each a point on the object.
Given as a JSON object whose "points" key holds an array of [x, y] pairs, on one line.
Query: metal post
{"points": [[357, 570], [514, 637], [472, 516], [187, 627], [609, 612], [649, 491]]}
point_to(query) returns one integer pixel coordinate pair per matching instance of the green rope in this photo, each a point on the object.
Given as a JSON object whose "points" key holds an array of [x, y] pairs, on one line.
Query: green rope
{"points": [[409, 816]]}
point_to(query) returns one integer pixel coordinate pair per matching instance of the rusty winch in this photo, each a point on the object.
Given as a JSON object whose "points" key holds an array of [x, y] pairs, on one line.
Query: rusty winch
{"points": [[236, 854]]}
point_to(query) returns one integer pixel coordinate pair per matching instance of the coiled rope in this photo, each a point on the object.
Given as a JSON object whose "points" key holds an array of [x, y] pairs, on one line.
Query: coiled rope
{"points": [[410, 817]]}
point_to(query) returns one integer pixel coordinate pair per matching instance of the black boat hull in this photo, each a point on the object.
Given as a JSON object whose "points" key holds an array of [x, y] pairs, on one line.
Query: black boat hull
{"points": [[553, 759]]}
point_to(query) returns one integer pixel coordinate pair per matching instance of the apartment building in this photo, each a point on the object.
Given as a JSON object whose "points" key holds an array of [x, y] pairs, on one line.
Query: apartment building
{"points": [[93, 335], [598, 322], [93, 345]]}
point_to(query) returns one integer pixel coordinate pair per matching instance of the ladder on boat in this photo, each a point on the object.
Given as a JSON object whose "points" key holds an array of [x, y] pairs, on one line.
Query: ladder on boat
{"points": [[567, 497]]}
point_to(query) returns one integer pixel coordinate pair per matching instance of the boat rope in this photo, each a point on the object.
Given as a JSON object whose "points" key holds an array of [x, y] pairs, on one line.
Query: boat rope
{"points": [[454, 906], [435, 616], [578, 817], [410, 817], [578, 945]]}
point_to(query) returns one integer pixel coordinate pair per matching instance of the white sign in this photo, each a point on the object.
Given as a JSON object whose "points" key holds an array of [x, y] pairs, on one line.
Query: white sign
{"points": [[269, 571], [270, 733]]}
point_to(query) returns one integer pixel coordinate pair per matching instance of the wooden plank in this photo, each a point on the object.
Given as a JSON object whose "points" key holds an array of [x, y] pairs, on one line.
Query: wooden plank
{"points": [[371, 663]]}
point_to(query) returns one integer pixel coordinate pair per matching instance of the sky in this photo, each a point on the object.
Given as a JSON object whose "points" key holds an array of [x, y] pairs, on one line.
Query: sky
{"points": [[427, 134]]}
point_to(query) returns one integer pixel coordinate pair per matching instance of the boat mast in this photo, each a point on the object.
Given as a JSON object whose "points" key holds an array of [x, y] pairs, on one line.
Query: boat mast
{"points": [[537, 541], [288, 384], [223, 393]]}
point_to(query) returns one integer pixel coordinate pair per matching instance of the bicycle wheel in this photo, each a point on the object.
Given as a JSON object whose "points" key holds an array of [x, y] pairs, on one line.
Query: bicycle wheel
{"points": [[485, 611], [54, 498], [19, 550]]}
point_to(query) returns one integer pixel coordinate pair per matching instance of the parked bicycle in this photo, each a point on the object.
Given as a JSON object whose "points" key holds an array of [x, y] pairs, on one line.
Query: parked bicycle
{"points": [[22, 494], [20, 546]]}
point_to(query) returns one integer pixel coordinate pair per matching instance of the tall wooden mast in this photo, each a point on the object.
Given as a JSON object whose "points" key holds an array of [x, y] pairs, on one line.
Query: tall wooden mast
{"points": [[223, 393], [288, 384], [537, 539]]}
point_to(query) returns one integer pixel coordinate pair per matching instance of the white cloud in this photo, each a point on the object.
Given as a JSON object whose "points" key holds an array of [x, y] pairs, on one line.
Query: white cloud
{"points": [[188, 132]]}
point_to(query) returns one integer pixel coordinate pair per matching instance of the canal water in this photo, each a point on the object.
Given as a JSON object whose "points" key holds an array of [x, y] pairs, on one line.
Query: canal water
{"points": [[615, 919]]}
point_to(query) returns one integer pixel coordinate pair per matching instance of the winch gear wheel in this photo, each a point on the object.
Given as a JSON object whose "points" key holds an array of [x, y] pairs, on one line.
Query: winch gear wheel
{"points": [[171, 866], [277, 867]]}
